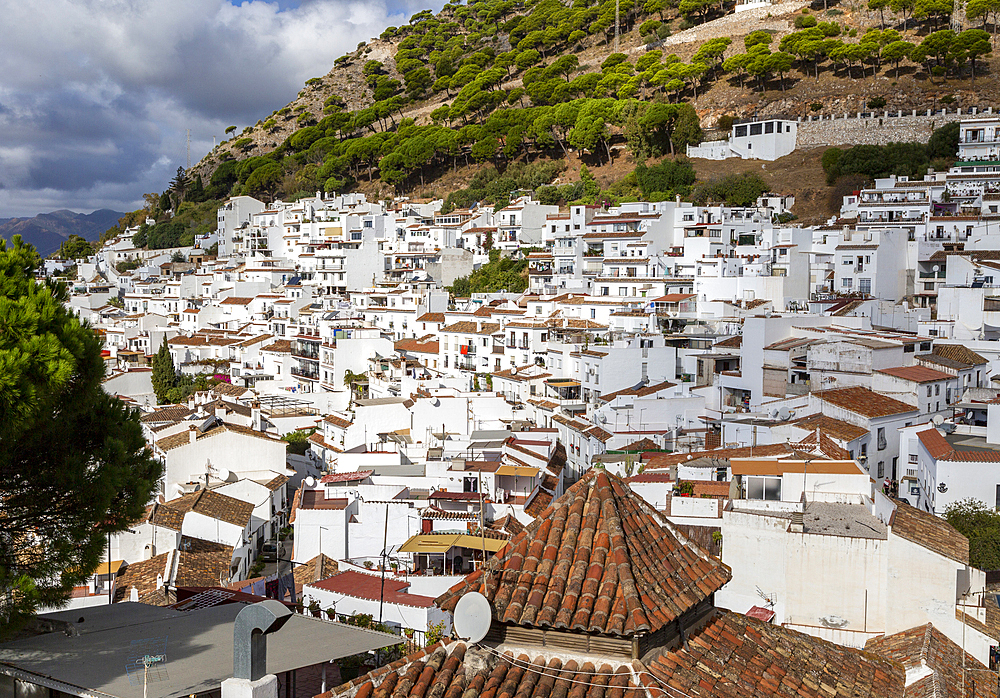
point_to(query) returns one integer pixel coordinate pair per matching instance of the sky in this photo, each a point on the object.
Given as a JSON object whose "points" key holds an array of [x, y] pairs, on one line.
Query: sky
{"points": [[96, 95]]}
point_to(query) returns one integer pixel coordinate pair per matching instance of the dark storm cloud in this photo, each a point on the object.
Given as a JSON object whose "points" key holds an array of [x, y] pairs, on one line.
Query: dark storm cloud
{"points": [[96, 96]]}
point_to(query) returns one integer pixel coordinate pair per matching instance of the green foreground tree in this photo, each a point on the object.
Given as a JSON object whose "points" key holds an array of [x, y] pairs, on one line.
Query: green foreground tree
{"points": [[981, 525], [74, 466]]}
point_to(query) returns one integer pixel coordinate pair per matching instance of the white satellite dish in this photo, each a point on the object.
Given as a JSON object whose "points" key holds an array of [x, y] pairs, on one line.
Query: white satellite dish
{"points": [[436, 402], [774, 414], [937, 419], [223, 474], [473, 616], [783, 414], [513, 370], [310, 481], [602, 418]]}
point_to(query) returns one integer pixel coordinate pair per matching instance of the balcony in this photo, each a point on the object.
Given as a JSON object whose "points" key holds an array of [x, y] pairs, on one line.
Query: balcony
{"points": [[931, 275], [466, 365], [302, 373]]}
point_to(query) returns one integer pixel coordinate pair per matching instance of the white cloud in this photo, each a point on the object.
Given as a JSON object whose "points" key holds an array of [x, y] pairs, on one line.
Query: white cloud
{"points": [[95, 95]]}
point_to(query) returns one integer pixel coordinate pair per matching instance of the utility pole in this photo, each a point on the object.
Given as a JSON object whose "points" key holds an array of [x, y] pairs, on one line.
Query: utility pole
{"points": [[617, 3], [189, 149], [385, 537]]}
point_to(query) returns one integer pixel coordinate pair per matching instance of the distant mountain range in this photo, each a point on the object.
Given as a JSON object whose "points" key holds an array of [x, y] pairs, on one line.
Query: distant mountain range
{"points": [[47, 231]]}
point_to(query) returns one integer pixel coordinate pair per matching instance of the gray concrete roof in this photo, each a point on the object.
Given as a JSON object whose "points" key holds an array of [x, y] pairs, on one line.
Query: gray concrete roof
{"points": [[198, 648]]}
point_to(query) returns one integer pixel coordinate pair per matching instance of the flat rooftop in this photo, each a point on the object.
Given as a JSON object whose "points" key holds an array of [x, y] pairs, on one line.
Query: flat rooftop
{"points": [[198, 646]]}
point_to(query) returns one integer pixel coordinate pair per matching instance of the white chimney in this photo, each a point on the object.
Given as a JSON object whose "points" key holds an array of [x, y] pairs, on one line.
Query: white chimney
{"points": [[133, 595], [192, 433], [255, 415], [220, 412]]}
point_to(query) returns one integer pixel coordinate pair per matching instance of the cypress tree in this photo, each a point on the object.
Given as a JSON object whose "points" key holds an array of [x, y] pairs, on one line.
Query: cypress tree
{"points": [[164, 374]]}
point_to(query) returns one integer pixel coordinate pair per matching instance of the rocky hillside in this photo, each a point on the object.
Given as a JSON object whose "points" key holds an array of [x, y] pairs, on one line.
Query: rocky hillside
{"points": [[498, 81]]}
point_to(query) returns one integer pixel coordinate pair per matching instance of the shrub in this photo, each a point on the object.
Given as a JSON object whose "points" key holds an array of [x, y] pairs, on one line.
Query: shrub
{"points": [[816, 106], [876, 102], [734, 190], [725, 122], [665, 180], [664, 31], [831, 164], [805, 21]]}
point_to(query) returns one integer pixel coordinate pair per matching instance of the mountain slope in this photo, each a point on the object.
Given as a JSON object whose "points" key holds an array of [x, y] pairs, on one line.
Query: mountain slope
{"points": [[495, 82], [47, 231]]}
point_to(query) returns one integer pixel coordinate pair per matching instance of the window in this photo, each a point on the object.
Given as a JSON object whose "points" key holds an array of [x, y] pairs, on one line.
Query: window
{"points": [[881, 469], [593, 313], [756, 129], [881, 439], [937, 389], [766, 488], [769, 127], [912, 458], [928, 391], [741, 131]]}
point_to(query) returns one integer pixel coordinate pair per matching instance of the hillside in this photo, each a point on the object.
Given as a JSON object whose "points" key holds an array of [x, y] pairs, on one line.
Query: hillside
{"points": [[497, 82], [47, 231]]}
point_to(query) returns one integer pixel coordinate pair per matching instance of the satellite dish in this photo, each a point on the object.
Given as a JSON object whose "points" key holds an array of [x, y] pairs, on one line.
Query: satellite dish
{"points": [[937, 419], [223, 474], [310, 481], [602, 418], [783, 414], [473, 617], [513, 370], [936, 267], [436, 402], [774, 414]]}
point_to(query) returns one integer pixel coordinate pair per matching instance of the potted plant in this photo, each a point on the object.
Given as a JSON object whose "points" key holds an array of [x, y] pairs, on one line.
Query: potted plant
{"points": [[314, 608], [331, 613], [684, 488]]}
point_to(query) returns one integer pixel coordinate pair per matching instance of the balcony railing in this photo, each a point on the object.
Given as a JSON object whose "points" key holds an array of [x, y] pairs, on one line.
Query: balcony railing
{"points": [[308, 375]]}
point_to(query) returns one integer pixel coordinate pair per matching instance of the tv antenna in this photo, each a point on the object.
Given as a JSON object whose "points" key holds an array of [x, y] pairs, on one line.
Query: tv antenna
{"points": [[189, 149], [146, 662]]}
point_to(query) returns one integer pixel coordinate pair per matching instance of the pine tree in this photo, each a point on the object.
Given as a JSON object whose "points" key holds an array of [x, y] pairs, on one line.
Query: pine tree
{"points": [[164, 375], [74, 466]]}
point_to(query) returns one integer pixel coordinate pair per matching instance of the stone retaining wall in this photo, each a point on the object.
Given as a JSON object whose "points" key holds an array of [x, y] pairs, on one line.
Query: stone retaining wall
{"points": [[878, 129]]}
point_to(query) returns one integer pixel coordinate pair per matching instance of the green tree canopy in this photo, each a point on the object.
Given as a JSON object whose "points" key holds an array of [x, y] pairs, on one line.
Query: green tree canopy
{"points": [[981, 525], [74, 465]]}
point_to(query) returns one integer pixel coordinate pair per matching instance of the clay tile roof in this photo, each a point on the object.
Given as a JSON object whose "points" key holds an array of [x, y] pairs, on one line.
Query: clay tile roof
{"points": [[643, 444], [282, 346], [173, 413], [320, 567], [929, 531], [865, 402], [453, 669], [346, 477], [837, 428], [214, 505], [337, 421], [166, 516], [824, 446], [637, 392], [141, 575], [276, 482], [934, 442], [598, 560], [735, 656], [917, 373], [203, 563], [236, 300], [431, 317], [224, 388], [960, 353], [732, 342], [372, 587], [925, 647]]}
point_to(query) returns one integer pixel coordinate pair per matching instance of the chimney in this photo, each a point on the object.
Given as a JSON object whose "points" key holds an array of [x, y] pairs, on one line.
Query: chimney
{"points": [[255, 415], [220, 413], [192, 433]]}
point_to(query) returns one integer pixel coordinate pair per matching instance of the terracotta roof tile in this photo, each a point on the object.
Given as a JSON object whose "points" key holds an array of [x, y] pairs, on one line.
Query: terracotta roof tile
{"points": [[320, 567], [916, 373], [930, 531], [598, 560], [925, 647], [214, 505], [735, 656], [865, 402], [837, 428], [369, 586], [960, 353]]}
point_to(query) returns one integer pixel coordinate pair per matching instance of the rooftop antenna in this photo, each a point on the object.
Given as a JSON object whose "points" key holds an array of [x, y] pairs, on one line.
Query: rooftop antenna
{"points": [[146, 662], [189, 149]]}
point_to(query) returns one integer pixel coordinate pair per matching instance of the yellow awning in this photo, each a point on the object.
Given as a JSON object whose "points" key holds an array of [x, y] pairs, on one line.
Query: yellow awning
{"points": [[103, 567], [429, 543], [518, 470], [476, 543]]}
